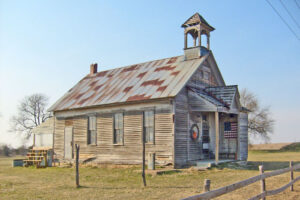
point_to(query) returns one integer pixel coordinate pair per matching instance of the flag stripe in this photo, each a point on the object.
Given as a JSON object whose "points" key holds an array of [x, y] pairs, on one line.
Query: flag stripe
{"points": [[230, 130]]}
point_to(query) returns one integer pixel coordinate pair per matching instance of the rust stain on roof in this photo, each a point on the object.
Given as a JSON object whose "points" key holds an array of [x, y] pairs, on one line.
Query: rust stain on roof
{"points": [[141, 75], [93, 83], [161, 89], [172, 60], [78, 96], [127, 89], [82, 101], [113, 86], [168, 67], [152, 82], [138, 97], [99, 74], [131, 68], [175, 73], [97, 87]]}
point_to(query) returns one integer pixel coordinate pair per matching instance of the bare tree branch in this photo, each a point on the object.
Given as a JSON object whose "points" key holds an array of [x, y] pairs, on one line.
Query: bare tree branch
{"points": [[260, 122], [31, 113]]}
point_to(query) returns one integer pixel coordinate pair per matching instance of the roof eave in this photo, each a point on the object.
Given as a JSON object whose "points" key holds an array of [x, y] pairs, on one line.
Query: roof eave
{"points": [[114, 104]]}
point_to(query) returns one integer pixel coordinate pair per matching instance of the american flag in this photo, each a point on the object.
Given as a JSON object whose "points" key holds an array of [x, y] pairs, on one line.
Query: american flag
{"points": [[230, 130]]}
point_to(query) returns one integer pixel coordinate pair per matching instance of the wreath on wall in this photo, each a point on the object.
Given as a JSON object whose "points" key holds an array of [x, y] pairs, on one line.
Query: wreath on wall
{"points": [[194, 132]]}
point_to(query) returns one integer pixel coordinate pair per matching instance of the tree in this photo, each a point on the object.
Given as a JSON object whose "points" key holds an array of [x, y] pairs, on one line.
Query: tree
{"points": [[31, 113], [260, 122], [5, 150]]}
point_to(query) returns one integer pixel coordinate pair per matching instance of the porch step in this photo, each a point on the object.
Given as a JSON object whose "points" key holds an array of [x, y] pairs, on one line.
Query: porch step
{"points": [[203, 164]]}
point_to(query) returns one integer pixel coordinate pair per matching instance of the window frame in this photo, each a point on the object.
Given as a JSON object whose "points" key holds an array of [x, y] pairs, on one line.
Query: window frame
{"points": [[89, 131], [145, 127], [114, 138]]}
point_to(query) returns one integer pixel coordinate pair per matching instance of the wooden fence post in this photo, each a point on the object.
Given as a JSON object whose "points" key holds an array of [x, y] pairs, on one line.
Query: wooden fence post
{"points": [[292, 174], [77, 147], [144, 152], [206, 185], [263, 181]]}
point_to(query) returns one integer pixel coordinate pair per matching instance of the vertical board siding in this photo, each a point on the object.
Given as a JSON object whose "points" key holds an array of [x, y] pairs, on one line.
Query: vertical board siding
{"points": [[195, 146], [59, 138], [203, 77], [185, 148], [212, 132], [181, 128], [243, 136]]}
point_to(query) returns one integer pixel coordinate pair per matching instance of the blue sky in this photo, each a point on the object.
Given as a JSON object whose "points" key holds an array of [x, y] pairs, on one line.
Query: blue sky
{"points": [[47, 46]]}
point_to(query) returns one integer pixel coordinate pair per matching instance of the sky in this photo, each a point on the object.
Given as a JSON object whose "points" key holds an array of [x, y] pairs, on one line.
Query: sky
{"points": [[48, 46]]}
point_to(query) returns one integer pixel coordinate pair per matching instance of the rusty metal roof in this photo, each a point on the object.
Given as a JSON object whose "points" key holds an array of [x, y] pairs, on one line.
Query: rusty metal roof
{"points": [[219, 95], [207, 96], [224, 93], [150, 80]]}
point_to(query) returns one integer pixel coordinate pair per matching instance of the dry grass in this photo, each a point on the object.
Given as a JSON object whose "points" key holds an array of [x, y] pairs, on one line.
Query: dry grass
{"points": [[272, 146], [273, 156], [126, 183]]}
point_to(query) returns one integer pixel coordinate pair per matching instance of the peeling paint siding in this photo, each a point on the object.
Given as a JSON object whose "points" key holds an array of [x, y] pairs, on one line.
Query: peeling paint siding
{"points": [[129, 153], [212, 132], [59, 138], [195, 147], [181, 129], [243, 136], [185, 149]]}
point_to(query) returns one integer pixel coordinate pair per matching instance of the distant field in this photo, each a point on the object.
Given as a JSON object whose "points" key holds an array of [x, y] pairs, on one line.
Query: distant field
{"points": [[272, 146], [126, 183]]}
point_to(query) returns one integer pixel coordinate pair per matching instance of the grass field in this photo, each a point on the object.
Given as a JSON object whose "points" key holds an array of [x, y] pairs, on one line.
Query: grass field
{"points": [[295, 146], [113, 182]]}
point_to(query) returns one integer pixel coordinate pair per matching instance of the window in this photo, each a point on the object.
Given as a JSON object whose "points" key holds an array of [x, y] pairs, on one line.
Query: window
{"points": [[118, 128], [149, 126], [92, 133], [206, 73], [206, 76]]}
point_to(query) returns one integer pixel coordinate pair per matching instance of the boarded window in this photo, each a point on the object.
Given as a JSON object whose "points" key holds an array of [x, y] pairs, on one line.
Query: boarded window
{"points": [[149, 126], [92, 132], [43, 140], [118, 128]]}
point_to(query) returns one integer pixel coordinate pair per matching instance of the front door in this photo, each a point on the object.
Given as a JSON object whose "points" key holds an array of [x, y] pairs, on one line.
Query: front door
{"points": [[205, 137], [69, 142]]}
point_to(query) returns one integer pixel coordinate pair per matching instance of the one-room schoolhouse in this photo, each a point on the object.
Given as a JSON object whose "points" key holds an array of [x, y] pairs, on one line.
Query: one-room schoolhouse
{"points": [[181, 104]]}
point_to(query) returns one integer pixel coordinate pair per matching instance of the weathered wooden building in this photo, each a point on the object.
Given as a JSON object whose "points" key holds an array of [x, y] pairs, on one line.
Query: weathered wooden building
{"points": [[181, 104]]}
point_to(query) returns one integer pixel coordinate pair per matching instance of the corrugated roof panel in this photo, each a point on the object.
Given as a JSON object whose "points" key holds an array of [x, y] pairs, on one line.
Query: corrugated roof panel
{"points": [[225, 93], [149, 80]]}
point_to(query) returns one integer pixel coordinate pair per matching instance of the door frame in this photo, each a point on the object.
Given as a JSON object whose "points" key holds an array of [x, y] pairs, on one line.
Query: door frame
{"points": [[72, 147]]}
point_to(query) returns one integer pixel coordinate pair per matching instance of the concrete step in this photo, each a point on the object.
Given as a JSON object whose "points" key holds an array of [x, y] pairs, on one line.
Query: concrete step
{"points": [[203, 164]]}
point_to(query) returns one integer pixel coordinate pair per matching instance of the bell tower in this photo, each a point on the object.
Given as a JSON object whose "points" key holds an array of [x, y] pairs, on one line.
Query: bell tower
{"points": [[196, 26]]}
